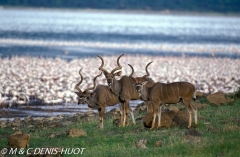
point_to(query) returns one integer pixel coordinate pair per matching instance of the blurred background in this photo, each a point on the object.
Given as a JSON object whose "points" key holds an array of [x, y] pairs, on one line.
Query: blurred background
{"points": [[44, 43], [217, 6], [77, 28]]}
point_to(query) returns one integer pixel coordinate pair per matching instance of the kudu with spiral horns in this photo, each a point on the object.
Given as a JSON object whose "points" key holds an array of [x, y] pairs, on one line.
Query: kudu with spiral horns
{"points": [[122, 88], [161, 93], [99, 98]]}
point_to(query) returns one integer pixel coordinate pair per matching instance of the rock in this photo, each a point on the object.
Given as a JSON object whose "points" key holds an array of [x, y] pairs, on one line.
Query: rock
{"points": [[52, 136], [141, 143], [19, 141], [17, 119], [16, 123], [166, 119], [218, 98], [158, 144], [28, 119], [76, 133], [3, 124]]}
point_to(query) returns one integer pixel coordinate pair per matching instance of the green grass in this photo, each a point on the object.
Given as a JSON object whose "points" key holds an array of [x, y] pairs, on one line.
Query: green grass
{"points": [[219, 126]]}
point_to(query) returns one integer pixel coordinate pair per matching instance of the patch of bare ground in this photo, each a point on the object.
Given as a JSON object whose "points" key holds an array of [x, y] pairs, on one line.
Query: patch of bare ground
{"points": [[192, 136]]}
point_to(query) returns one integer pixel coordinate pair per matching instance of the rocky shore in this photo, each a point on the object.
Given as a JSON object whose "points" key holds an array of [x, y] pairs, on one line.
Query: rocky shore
{"points": [[172, 115]]}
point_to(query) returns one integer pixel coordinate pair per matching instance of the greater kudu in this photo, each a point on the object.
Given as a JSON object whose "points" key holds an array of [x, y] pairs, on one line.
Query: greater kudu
{"points": [[99, 98], [122, 88], [161, 93]]}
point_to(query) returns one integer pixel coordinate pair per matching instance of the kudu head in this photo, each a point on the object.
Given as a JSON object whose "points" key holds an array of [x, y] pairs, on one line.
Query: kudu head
{"points": [[139, 82], [84, 96], [110, 76]]}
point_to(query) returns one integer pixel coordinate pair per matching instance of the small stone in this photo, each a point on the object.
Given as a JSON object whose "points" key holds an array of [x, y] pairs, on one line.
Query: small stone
{"points": [[158, 144], [76, 133], [141, 143]]}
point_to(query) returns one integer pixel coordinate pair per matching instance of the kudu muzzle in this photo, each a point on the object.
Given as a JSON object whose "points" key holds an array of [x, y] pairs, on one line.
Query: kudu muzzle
{"points": [[109, 81], [138, 88]]}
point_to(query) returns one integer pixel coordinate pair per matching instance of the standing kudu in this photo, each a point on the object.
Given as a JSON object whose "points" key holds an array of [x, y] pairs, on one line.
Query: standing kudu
{"points": [[160, 94], [122, 88], [99, 98], [144, 78]]}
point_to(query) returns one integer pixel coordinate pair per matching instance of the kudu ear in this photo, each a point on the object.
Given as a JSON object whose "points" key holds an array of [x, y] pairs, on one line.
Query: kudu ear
{"points": [[105, 73], [77, 93], [92, 94], [118, 73], [144, 83], [132, 80]]}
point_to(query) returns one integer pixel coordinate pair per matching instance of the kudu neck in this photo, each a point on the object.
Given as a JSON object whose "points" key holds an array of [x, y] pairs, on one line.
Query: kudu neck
{"points": [[115, 87], [145, 93], [92, 102]]}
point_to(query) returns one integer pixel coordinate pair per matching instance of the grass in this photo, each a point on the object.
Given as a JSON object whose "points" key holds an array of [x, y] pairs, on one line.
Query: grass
{"points": [[219, 126]]}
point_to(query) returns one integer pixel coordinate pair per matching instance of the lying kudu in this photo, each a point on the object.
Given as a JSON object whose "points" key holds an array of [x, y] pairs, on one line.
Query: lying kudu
{"points": [[160, 94], [99, 98], [122, 88]]}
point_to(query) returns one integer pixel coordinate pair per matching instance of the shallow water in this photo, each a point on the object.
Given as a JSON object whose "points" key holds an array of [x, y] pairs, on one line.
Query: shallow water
{"points": [[51, 110]]}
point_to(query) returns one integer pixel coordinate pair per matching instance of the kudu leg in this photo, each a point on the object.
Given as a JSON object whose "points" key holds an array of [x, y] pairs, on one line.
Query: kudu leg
{"points": [[189, 108], [159, 116], [149, 106], [121, 106], [126, 105], [155, 110], [132, 115], [124, 115], [195, 115], [101, 113], [190, 119]]}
